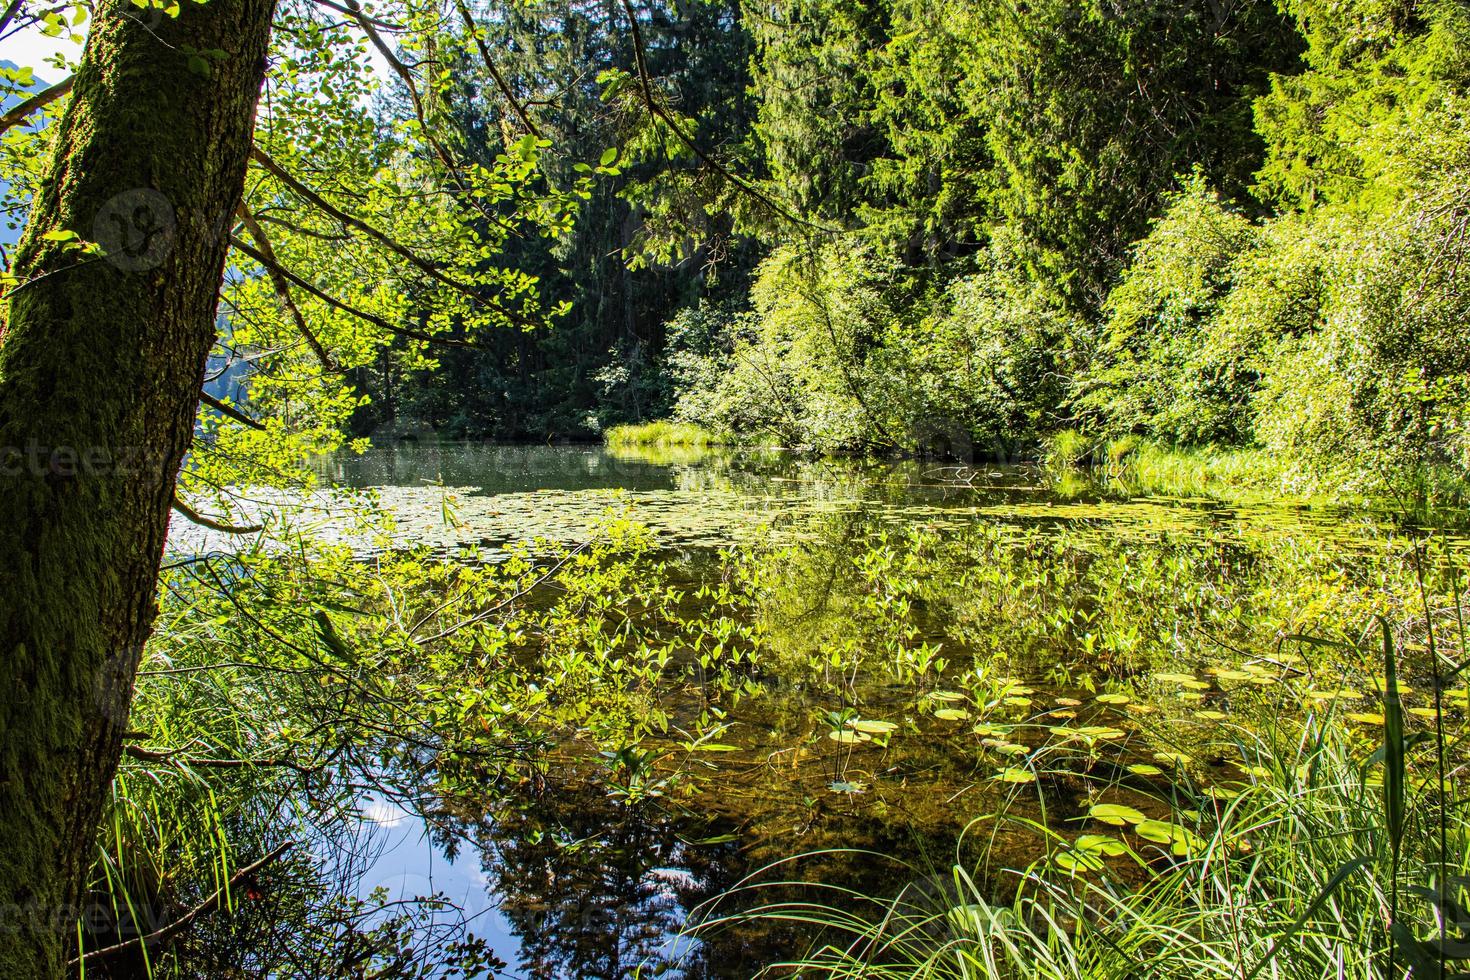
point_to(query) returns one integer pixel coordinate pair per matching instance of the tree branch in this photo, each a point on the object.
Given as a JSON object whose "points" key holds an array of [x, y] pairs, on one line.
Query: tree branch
{"points": [[283, 290], [337, 304], [352, 221], [194, 517], [226, 409], [176, 755], [360, 16], [657, 109], [500, 82], [40, 100]]}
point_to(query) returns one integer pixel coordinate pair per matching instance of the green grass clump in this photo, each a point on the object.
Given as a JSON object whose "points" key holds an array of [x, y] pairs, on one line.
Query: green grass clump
{"points": [[661, 434], [1068, 449], [1136, 465], [1206, 471]]}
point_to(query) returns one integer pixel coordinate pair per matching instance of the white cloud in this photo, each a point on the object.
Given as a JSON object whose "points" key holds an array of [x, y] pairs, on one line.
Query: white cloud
{"points": [[384, 813], [30, 48]]}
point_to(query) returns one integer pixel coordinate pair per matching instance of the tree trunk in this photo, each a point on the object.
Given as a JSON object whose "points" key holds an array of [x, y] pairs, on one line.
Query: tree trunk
{"points": [[101, 361]]}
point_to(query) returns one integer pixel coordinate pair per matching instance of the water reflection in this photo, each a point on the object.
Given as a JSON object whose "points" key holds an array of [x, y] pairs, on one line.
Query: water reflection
{"points": [[591, 884]]}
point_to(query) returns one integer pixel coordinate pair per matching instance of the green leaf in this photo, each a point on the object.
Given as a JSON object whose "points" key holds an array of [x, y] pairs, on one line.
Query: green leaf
{"points": [[1394, 765], [1101, 844], [1014, 775], [1116, 814]]}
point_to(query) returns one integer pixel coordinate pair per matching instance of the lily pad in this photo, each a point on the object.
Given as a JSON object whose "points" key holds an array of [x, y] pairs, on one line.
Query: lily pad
{"points": [[1078, 861], [1101, 844], [1116, 814], [870, 727], [1014, 775]]}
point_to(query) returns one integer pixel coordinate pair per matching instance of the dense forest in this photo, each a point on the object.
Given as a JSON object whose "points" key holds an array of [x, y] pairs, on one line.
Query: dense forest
{"points": [[965, 229], [550, 488]]}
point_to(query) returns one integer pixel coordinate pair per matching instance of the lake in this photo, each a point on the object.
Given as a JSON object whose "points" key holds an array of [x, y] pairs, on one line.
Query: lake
{"points": [[923, 666]]}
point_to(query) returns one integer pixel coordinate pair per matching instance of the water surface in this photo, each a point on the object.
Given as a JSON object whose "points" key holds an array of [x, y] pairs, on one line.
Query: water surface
{"points": [[580, 882]]}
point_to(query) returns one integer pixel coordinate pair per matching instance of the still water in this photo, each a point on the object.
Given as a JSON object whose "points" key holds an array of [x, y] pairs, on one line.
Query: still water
{"points": [[1054, 606]]}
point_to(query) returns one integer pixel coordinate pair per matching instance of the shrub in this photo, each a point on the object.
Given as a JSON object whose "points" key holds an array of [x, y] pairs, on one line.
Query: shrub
{"points": [[1160, 369]]}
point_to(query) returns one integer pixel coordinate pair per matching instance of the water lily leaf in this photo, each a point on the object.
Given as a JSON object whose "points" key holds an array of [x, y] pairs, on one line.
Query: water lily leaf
{"points": [[1014, 775], [1174, 678], [987, 729], [1101, 844], [1112, 699], [1102, 733], [1339, 694], [1144, 769], [848, 738], [951, 714], [1172, 758], [1182, 841], [946, 696], [1078, 861], [1116, 814], [871, 727], [1004, 747], [1155, 830]]}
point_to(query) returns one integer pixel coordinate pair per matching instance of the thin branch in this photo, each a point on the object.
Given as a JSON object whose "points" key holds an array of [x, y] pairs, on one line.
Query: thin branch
{"points": [[500, 82], [230, 411], [298, 230], [177, 757], [283, 289], [187, 919], [38, 101], [194, 517], [12, 10], [359, 15], [419, 262], [657, 109], [404, 74], [337, 304]]}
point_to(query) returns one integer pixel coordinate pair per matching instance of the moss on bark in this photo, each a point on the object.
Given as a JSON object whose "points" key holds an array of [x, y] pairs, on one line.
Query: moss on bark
{"points": [[100, 366]]}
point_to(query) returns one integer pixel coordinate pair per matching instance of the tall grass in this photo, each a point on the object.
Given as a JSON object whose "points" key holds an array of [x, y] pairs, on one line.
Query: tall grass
{"points": [[1146, 465], [1432, 493], [661, 434]]}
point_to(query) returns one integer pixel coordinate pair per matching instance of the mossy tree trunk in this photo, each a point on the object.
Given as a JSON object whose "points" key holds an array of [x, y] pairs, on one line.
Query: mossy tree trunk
{"points": [[101, 361]]}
